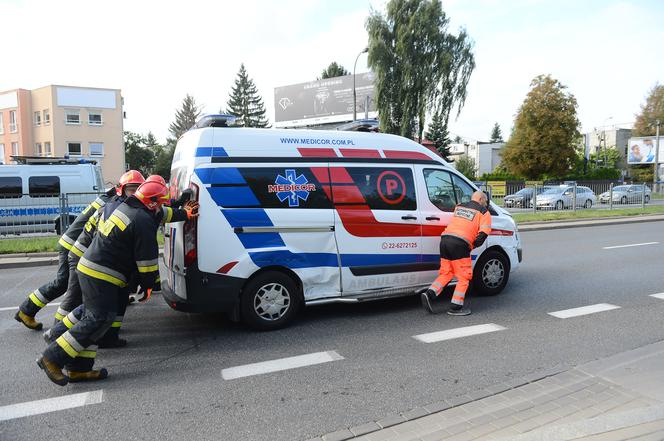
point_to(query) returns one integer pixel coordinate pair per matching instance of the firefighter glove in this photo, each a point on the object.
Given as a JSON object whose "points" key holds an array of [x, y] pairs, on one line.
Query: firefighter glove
{"points": [[481, 237], [191, 208], [146, 295], [184, 197]]}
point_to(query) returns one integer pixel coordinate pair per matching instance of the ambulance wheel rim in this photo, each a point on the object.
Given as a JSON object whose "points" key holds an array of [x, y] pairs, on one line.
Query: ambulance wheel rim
{"points": [[493, 273], [272, 301]]}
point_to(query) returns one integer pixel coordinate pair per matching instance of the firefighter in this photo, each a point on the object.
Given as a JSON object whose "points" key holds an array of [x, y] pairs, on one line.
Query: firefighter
{"points": [[39, 298], [125, 242], [129, 182], [469, 228]]}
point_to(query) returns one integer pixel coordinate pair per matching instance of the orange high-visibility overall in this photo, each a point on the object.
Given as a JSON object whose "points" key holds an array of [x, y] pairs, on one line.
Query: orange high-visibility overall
{"points": [[459, 238]]}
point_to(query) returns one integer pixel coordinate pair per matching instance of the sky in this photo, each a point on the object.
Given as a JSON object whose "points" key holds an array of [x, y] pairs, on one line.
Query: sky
{"points": [[608, 53]]}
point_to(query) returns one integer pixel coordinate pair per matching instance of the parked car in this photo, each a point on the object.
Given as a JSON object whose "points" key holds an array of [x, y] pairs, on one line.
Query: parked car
{"points": [[626, 194], [562, 197], [522, 198]]}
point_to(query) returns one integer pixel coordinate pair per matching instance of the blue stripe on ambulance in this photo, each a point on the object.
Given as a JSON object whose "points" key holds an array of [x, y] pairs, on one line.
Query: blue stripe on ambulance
{"points": [[210, 151]]}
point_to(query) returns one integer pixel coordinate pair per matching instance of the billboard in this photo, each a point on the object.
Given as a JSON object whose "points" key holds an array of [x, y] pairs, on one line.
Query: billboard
{"points": [[642, 150], [324, 101]]}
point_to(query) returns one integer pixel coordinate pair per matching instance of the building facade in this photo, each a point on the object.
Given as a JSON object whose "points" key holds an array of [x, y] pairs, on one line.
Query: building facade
{"points": [[599, 139], [64, 121], [485, 154]]}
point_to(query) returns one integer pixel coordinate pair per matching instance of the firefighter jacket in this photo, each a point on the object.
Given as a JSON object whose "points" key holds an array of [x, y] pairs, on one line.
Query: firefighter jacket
{"points": [[85, 238], [69, 237], [469, 220], [125, 241]]}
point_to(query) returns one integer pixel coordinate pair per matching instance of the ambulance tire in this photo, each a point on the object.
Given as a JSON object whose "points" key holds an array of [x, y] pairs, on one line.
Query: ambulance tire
{"points": [[268, 287], [491, 273]]}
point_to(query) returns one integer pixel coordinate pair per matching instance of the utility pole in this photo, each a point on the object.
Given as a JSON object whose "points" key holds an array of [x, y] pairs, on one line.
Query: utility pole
{"points": [[655, 176]]}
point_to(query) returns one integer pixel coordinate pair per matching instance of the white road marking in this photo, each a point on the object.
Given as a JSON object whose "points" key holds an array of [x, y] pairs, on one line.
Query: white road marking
{"points": [[15, 308], [280, 364], [450, 334], [658, 296], [37, 407], [630, 245], [584, 310]]}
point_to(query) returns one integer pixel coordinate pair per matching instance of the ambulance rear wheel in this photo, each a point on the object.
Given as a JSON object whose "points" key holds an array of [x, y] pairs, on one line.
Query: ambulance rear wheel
{"points": [[270, 301], [491, 273]]}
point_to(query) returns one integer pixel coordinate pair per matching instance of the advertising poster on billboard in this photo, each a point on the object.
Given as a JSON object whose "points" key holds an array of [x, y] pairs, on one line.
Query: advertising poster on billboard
{"points": [[324, 101], [642, 150]]}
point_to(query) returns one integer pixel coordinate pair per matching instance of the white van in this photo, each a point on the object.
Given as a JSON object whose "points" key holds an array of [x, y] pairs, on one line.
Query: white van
{"points": [[295, 217], [30, 194]]}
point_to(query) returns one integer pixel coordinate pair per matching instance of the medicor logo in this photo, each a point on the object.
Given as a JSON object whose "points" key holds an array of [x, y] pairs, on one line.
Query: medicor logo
{"points": [[291, 187]]}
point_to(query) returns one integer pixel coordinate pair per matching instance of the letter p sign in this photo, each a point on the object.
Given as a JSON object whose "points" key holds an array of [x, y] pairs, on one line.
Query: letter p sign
{"points": [[391, 187]]}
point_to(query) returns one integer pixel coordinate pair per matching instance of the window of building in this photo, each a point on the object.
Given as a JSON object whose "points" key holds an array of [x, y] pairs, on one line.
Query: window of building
{"points": [[96, 149], [94, 118], [38, 149], [10, 186], [47, 117], [47, 149], [381, 188], [72, 116], [14, 148], [38, 118], [74, 148], [2, 123], [13, 127], [2, 153], [43, 185]]}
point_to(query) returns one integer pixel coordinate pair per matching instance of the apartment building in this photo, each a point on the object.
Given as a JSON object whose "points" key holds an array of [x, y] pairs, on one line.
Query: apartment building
{"points": [[64, 121]]}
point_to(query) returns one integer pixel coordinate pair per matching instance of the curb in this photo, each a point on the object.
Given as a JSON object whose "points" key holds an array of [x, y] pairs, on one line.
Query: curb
{"points": [[40, 259], [419, 412], [15, 255], [597, 222]]}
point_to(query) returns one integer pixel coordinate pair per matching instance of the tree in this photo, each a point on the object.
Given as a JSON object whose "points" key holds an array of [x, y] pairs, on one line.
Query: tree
{"points": [[418, 65], [185, 118], [496, 134], [164, 158], [245, 103], [139, 155], [545, 130], [439, 135], [458, 140], [333, 70], [651, 111], [466, 165]]}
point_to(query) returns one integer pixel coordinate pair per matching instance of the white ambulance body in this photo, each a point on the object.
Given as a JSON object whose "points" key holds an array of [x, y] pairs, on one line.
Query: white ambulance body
{"points": [[295, 217]]}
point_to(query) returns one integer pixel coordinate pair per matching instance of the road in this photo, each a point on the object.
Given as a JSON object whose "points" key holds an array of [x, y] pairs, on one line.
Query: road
{"points": [[167, 384]]}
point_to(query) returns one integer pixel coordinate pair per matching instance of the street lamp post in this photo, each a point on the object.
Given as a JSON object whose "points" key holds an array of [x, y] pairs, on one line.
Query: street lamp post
{"points": [[365, 50], [655, 176]]}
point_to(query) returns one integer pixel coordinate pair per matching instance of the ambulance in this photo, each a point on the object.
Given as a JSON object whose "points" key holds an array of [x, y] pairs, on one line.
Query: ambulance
{"points": [[290, 218]]}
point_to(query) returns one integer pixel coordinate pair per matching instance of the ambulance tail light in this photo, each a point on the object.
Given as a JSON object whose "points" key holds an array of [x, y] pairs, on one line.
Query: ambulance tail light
{"points": [[190, 234]]}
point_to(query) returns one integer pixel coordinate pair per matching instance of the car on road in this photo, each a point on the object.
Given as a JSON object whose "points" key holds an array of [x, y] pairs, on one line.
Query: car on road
{"points": [[522, 198], [562, 197], [290, 218], [627, 194]]}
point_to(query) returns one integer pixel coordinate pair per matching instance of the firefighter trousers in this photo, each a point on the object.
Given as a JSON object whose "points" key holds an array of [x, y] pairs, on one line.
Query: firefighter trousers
{"points": [[101, 300], [455, 261], [73, 297], [39, 298]]}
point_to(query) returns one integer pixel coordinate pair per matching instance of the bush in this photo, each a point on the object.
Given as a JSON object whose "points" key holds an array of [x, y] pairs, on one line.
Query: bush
{"points": [[499, 176]]}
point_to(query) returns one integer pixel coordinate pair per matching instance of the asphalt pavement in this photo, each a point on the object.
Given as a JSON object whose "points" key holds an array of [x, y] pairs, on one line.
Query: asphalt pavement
{"points": [[168, 383]]}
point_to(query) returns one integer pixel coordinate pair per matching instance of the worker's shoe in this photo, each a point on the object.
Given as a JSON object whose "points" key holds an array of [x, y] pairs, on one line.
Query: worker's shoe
{"points": [[458, 310], [112, 343], [92, 375], [28, 320], [52, 371], [428, 297]]}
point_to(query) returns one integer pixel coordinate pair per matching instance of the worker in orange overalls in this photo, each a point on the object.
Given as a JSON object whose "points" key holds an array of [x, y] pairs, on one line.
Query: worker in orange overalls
{"points": [[469, 228]]}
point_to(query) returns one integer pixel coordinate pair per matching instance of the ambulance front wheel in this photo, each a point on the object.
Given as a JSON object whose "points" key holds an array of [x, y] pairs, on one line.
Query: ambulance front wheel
{"points": [[270, 301], [491, 273]]}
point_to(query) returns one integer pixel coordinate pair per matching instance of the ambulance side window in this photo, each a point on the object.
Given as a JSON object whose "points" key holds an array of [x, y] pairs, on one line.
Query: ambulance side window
{"points": [[385, 188], [440, 189], [462, 190]]}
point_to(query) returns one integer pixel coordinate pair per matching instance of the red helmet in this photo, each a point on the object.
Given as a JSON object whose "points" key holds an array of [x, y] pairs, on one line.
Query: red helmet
{"points": [[153, 194], [156, 178], [131, 177]]}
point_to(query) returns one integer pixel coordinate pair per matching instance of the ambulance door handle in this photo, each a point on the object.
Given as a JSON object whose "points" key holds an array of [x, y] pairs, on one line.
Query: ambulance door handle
{"points": [[433, 218], [409, 217]]}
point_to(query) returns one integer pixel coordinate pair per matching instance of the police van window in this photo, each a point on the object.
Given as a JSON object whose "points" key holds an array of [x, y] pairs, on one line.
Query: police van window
{"points": [[462, 190], [11, 187], [385, 188], [440, 189], [43, 185]]}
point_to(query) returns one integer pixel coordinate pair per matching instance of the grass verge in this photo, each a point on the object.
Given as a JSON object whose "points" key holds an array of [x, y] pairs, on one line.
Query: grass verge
{"points": [[585, 214], [40, 244]]}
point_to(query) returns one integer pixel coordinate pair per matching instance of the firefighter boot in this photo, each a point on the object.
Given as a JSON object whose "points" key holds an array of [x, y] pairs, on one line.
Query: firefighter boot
{"points": [[92, 375], [28, 320], [52, 371], [428, 297]]}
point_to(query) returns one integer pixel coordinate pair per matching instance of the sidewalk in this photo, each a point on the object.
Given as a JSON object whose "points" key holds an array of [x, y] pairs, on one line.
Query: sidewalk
{"points": [[574, 223], [617, 398]]}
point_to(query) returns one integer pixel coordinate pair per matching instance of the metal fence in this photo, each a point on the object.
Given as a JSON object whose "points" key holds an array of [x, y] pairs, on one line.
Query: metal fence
{"points": [[32, 214], [557, 196]]}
